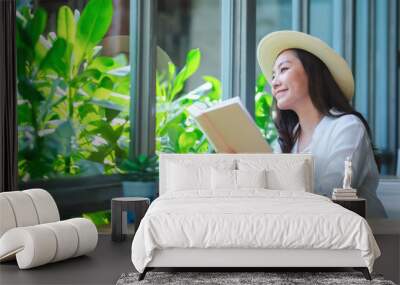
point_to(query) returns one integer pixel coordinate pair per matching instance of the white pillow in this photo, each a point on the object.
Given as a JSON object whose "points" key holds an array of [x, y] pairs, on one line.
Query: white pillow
{"points": [[281, 174], [251, 178], [279, 180], [182, 177], [225, 179]]}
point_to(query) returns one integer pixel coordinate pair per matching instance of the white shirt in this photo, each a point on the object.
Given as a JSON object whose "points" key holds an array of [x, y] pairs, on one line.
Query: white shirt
{"points": [[333, 140]]}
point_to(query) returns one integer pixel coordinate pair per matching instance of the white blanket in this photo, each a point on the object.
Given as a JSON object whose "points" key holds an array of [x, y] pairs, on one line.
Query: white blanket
{"points": [[250, 219]]}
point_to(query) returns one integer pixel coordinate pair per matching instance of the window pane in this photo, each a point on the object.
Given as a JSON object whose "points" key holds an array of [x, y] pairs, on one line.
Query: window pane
{"points": [[189, 37], [73, 88], [271, 15], [321, 20], [375, 78]]}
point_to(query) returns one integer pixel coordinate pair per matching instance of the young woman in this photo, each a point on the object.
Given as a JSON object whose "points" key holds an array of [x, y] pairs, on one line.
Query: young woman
{"points": [[312, 86]]}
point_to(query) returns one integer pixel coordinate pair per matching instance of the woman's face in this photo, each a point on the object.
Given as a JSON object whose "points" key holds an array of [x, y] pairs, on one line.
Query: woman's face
{"points": [[289, 81]]}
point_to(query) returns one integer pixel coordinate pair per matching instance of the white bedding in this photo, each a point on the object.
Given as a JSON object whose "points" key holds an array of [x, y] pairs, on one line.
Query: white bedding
{"points": [[250, 218]]}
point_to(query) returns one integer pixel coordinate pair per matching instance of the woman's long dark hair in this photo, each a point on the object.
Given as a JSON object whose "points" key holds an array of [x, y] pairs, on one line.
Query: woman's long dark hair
{"points": [[325, 94]]}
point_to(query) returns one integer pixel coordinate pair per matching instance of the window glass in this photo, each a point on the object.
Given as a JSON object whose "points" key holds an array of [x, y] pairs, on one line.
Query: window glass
{"points": [[321, 20], [375, 79], [188, 70], [271, 15], [73, 87]]}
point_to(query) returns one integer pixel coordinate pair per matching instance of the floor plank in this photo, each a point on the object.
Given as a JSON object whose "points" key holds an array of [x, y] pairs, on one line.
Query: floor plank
{"points": [[102, 266]]}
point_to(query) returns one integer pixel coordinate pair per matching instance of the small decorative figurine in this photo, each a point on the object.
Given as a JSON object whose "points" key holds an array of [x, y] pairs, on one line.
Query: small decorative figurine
{"points": [[346, 192], [348, 172]]}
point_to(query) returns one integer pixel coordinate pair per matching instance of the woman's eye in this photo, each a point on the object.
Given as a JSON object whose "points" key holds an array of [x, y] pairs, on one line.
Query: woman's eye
{"points": [[284, 68]]}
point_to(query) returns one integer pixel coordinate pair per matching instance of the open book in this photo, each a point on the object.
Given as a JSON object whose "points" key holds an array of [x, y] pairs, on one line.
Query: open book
{"points": [[230, 128]]}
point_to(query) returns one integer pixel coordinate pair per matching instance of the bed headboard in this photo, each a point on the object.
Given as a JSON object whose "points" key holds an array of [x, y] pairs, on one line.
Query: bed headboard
{"points": [[283, 160]]}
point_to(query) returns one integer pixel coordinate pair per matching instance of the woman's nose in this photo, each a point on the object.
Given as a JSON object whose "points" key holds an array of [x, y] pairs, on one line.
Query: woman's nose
{"points": [[275, 83]]}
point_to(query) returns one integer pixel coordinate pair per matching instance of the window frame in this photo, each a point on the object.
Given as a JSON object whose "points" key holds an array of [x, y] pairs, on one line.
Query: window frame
{"points": [[238, 58]]}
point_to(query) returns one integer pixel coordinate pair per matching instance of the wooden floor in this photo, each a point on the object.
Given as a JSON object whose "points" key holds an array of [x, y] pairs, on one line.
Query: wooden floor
{"points": [[102, 266], [110, 259]]}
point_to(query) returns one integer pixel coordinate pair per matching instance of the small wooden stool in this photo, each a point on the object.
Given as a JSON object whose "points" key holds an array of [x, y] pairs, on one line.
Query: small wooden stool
{"points": [[137, 205]]}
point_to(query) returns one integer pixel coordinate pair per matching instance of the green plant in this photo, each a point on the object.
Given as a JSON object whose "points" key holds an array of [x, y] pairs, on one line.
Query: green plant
{"points": [[73, 103], [263, 110], [175, 129], [140, 168], [99, 218]]}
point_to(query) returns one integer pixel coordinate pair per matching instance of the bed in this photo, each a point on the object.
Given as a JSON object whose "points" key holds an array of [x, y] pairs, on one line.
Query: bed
{"points": [[247, 210]]}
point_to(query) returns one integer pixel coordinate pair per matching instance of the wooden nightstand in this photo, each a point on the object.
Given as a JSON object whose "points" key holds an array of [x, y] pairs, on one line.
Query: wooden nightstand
{"points": [[358, 206]]}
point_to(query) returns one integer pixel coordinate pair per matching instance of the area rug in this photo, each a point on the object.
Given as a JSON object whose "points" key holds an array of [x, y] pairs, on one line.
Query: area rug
{"points": [[269, 278]]}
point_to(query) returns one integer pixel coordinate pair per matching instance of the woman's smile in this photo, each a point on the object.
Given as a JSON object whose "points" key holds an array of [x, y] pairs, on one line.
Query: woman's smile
{"points": [[280, 93]]}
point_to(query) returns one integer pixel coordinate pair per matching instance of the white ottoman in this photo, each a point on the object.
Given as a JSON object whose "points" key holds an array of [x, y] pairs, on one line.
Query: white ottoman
{"points": [[31, 231]]}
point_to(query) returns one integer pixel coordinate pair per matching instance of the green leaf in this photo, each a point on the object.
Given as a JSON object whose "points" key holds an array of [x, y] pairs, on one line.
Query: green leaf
{"points": [[260, 83], [88, 113], [191, 66], [121, 60], [28, 91], [100, 218], [107, 105], [86, 76], [21, 34], [174, 132], [130, 166], [54, 58], [202, 146], [262, 107], [107, 83], [65, 130], [123, 86], [100, 154], [102, 63], [93, 24], [216, 91], [36, 26], [263, 116], [24, 114], [111, 114], [58, 142], [187, 140], [66, 27], [106, 131], [262, 111], [192, 62], [174, 120], [41, 49], [142, 167], [116, 101], [171, 71]]}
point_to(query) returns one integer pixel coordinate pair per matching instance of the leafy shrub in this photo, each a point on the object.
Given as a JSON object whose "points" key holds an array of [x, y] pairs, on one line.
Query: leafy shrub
{"points": [[73, 104], [176, 131], [263, 110], [99, 218], [141, 168]]}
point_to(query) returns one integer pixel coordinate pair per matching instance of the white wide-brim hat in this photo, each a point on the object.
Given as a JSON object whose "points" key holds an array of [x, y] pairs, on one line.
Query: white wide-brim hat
{"points": [[274, 43]]}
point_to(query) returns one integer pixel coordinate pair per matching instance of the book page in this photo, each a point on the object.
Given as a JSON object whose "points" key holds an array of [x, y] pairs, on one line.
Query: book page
{"points": [[231, 129], [214, 137]]}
